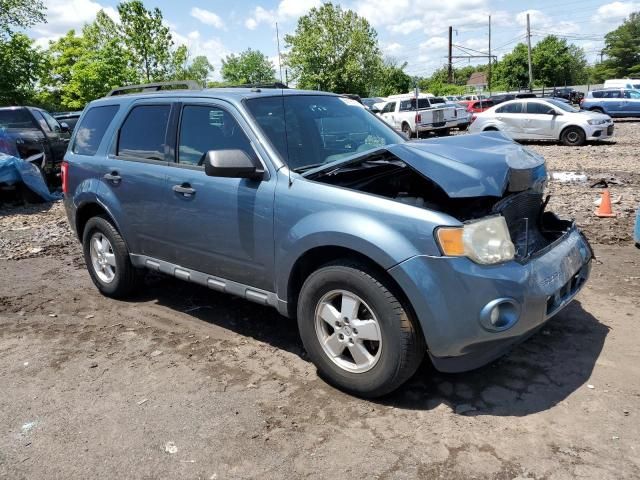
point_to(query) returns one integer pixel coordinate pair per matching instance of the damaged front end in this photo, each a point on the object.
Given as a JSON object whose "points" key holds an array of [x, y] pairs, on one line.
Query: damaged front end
{"points": [[470, 178]]}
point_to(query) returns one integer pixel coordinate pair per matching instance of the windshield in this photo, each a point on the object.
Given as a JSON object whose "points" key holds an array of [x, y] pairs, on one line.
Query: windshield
{"points": [[319, 128], [563, 106]]}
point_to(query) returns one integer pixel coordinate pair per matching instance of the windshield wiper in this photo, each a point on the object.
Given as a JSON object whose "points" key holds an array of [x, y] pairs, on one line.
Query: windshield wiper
{"points": [[304, 168]]}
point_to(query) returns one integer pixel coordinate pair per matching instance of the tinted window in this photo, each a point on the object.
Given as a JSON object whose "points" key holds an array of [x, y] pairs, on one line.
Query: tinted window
{"points": [[515, 107], [52, 122], [537, 108], [19, 118], [613, 94], [143, 133], [389, 107], [204, 128], [632, 94], [598, 94], [40, 119], [92, 128]]}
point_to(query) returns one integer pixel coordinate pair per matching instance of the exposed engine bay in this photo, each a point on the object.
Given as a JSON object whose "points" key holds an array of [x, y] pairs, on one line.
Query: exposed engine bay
{"points": [[532, 229]]}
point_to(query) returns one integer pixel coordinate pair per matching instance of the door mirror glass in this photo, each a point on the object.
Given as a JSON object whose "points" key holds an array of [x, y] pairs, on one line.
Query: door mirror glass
{"points": [[231, 164]]}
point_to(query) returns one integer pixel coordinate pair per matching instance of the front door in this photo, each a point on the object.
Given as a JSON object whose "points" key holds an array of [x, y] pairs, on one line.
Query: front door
{"points": [[511, 117], [219, 226]]}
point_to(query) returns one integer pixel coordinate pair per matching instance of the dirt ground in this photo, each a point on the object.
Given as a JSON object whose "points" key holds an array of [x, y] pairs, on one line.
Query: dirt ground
{"points": [[182, 382]]}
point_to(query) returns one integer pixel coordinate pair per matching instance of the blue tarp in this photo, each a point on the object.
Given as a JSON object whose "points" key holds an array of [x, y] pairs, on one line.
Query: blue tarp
{"points": [[14, 170]]}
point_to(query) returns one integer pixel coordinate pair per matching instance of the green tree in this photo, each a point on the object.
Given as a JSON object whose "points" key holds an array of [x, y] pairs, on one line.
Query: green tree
{"points": [[251, 66], [147, 38], [199, 69], [622, 48], [512, 71], [334, 50], [20, 14], [20, 64], [555, 62], [392, 79], [59, 59]]}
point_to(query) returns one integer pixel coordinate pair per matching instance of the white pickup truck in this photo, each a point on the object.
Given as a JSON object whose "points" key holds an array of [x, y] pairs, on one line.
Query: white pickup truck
{"points": [[400, 112]]}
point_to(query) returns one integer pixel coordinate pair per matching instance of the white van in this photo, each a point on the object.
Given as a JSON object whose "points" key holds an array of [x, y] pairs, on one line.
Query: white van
{"points": [[630, 83]]}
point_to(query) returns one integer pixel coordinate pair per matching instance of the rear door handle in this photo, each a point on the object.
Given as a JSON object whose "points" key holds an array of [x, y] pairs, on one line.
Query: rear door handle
{"points": [[113, 177], [184, 189]]}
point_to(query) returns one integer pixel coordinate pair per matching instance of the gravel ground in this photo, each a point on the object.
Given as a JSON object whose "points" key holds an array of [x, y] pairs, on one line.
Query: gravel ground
{"points": [[181, 382]]}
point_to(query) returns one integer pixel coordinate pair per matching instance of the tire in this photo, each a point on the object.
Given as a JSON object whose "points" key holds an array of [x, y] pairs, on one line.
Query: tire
{"points": [[118, 278], [392, 360], [406, 129], [573, 137]]}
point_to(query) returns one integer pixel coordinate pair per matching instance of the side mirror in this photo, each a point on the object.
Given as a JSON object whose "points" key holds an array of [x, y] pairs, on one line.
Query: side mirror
{"points": [[64, 127], [231, 164], [552, 111]]}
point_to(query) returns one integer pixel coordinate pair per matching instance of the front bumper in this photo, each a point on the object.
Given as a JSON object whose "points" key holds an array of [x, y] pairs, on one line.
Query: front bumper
{"points": [[449, 296], [600, 132]]}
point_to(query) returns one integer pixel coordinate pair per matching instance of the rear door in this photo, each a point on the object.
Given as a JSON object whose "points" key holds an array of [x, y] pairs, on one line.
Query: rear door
{"points": [[133, 177], [632, 103], [219, 226], [612, 101], [510, 118]]}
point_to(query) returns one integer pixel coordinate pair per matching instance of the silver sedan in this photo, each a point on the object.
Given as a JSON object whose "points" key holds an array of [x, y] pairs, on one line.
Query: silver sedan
{"points": [[544, 119]]}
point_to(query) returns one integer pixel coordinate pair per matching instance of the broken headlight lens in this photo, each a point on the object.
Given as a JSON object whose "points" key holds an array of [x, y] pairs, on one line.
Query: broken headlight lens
{"points": [[484, 241]]}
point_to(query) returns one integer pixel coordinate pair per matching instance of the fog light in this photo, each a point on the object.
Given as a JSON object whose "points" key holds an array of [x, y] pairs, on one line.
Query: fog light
{"points": [[500, 314]]}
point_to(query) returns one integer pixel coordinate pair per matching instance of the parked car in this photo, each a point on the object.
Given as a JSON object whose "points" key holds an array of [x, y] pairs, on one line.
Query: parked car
{"points": [[462, 117], [473, 97], [615, 102], [628, 83], [382, 249], [568, 93], [432, 115], [371, 101], [36, 132], [70, 118], [503, 97], [476, 106], [452, 98], [544, 119]]}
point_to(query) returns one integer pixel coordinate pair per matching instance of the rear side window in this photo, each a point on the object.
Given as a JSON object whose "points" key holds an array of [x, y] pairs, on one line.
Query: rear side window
{"points": [[16, 118], [92, 128], [143, 133], [597, 94], [538, 108], [515, 107]]}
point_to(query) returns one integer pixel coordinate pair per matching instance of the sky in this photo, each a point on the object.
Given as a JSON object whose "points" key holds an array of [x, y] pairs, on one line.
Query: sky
{"points": [[412, 31]]}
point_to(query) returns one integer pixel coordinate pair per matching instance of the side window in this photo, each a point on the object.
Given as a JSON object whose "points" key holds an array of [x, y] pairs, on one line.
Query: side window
{"points": [[92, 129], [204, 128], [52, 122], [40, 119], [537, 108], [515, 107], [597, 94], [143, 133], [632, 94], [405, 105]]}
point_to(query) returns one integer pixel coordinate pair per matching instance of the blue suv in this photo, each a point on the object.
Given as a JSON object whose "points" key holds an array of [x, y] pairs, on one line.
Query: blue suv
{"points": [[382, 249], [615, 102]]}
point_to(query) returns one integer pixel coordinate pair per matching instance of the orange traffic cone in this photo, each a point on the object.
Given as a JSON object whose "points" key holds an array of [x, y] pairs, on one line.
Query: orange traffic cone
{"points": [[604, 210]]}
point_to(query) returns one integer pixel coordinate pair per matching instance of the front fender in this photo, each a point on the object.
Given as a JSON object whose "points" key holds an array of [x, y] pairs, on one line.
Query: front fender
{"points": [[352, 230]]}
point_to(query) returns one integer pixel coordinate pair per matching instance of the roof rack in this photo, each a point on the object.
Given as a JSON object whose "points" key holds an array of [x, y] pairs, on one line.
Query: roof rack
{"points": [[278, 85], [156, 87]]}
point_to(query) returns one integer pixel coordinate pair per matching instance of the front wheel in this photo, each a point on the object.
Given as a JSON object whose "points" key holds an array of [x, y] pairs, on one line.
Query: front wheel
{"points": [[573, 137], [356, 331]]}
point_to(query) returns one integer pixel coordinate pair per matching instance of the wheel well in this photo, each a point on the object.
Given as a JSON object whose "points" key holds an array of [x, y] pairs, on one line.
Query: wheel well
{"points": [[86, 212], [572, 126], [315, 258], [405, 123], [490, 129]]}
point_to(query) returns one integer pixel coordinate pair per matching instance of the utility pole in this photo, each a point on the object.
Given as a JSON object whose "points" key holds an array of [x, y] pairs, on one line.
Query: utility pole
{"points": [[450, 66], [279, 55], [529, 51], [489, 74]]}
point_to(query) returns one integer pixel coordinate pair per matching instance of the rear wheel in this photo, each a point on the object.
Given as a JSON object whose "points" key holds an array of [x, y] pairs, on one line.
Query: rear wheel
{"points": [[356, 332], [406, 129], [107, 258], [573, 137]]}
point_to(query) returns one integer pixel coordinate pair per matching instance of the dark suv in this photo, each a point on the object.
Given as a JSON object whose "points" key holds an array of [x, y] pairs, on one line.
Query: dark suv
{"points": [[383, 249], [35, 131]]}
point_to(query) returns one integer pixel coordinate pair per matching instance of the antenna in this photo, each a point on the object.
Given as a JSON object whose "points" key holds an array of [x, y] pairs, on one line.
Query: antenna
{"points": [[279, 56]]}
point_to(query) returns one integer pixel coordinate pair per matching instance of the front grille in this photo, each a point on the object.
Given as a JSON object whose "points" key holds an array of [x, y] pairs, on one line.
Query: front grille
{"points": [[522, 212], [568, 290]]}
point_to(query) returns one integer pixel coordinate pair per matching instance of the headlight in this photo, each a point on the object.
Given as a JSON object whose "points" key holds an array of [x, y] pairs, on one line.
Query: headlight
{"points": [[596, 122], [484, 241]]}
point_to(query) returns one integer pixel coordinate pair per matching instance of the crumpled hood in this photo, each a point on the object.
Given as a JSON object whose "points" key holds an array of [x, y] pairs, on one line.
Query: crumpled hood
{"points": [[486, 164]]}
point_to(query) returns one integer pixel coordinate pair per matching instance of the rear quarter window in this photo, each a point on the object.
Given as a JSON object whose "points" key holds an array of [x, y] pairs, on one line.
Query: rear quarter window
{"points": [[597, 94], [92, 129]]}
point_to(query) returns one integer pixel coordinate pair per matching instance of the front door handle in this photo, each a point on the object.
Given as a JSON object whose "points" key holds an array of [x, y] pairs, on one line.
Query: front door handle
{"points": [[113, 177], [184, 189]]}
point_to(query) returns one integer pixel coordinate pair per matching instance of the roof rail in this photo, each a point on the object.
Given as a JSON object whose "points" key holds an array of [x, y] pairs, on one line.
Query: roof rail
{"points": [[278, 85], [156, 87]]}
